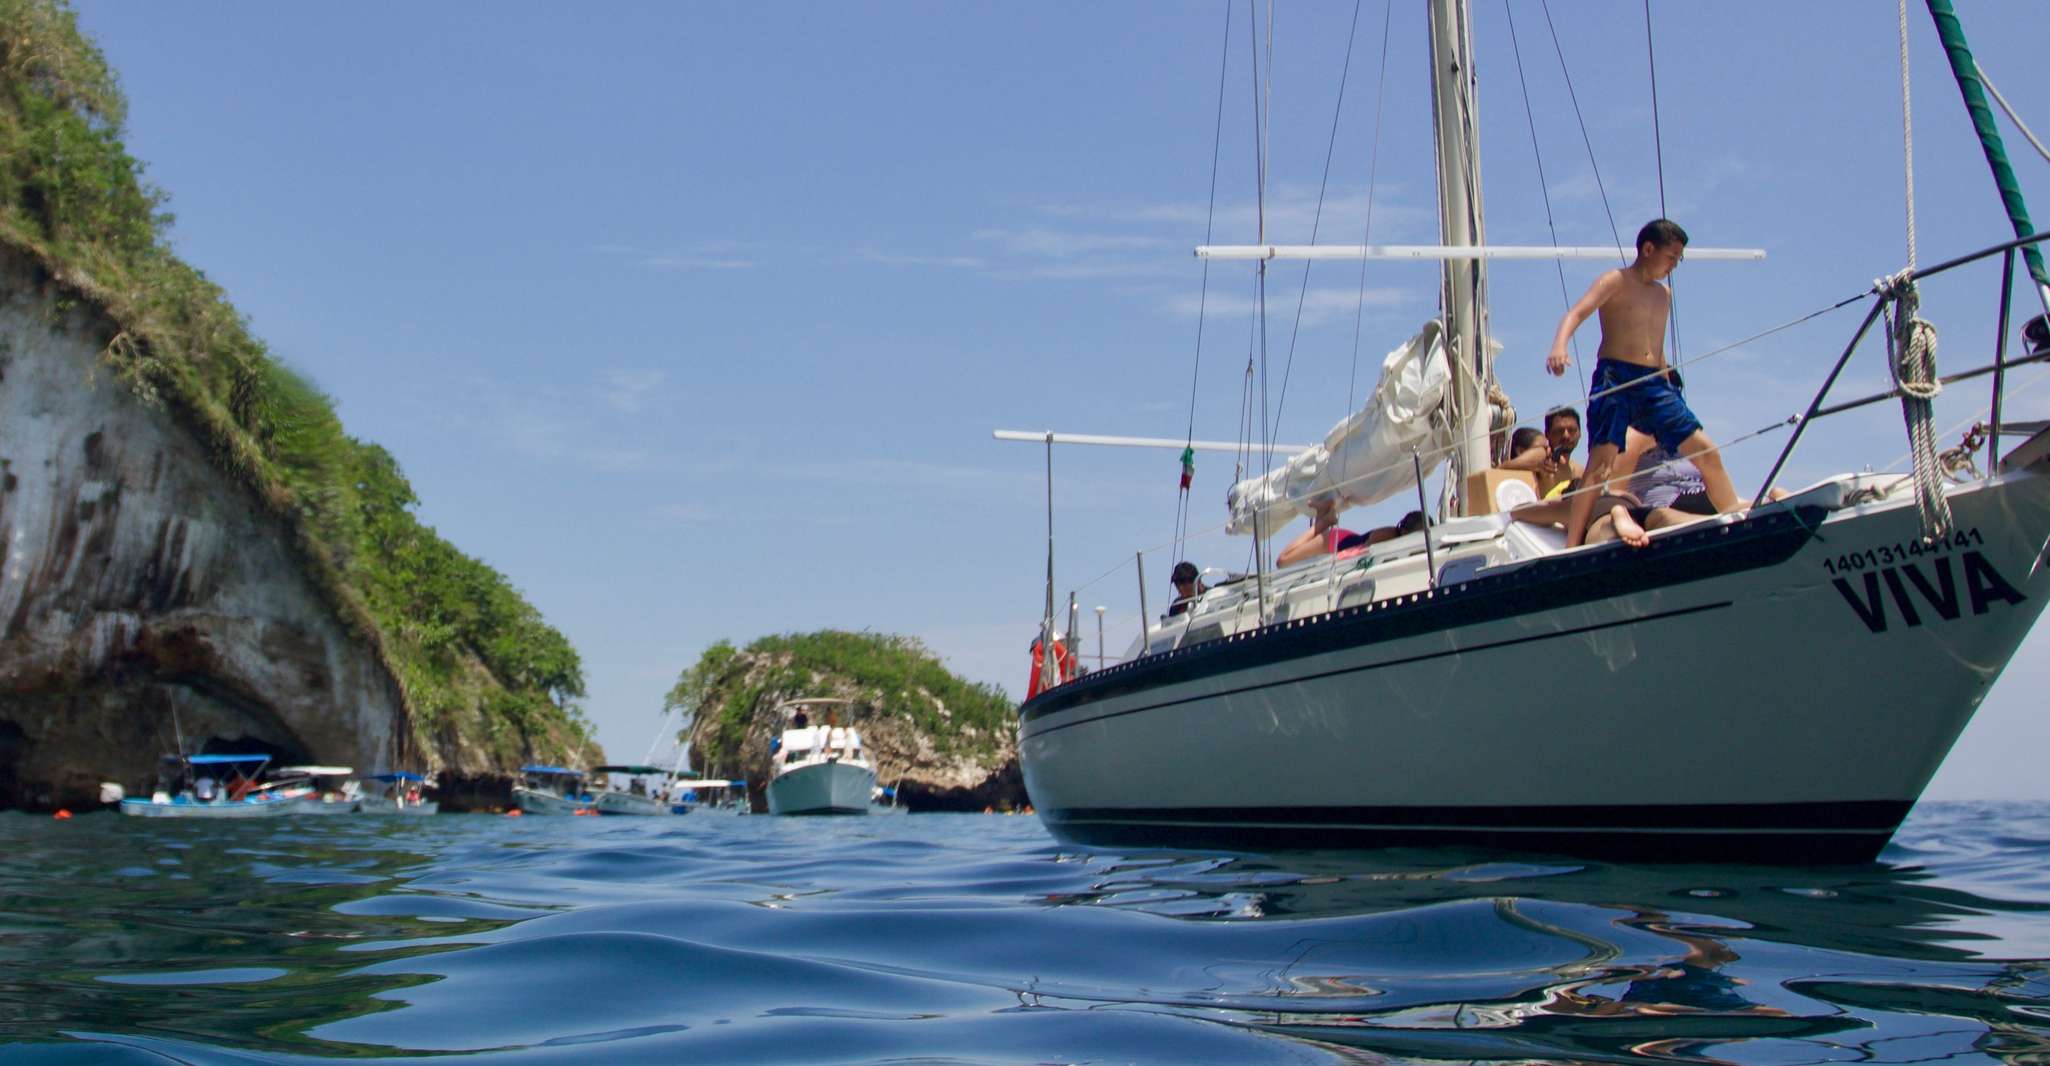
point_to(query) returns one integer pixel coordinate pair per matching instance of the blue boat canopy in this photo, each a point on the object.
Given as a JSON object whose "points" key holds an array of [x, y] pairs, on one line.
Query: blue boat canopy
{"points": [[215, 760], [400, 776], [636, 771], [551, 770]]}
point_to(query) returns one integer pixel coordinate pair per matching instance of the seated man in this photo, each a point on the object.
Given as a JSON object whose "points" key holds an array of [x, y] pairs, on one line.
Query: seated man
{"points": [[1325, 536], [1552, 464], [1188, 584], [1554, 509]]}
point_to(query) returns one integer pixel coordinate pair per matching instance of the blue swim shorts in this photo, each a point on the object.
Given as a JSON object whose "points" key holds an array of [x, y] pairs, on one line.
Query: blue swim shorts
{"points": [[1653, 407]]}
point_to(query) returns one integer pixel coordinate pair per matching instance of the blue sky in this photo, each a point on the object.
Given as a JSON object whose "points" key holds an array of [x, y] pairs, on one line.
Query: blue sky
{"points": [[694, 319]]}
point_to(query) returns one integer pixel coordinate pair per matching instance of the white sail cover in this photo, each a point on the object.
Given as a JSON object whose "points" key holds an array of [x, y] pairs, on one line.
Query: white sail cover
{"points": [[1366, 456]]}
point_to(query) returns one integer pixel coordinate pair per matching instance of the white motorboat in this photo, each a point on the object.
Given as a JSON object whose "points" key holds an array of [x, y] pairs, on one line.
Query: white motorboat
{"points": [[646, 791], [399, 792], [553, 790], [1829, 647], [207, 786], [819, 769], [317, 790]]}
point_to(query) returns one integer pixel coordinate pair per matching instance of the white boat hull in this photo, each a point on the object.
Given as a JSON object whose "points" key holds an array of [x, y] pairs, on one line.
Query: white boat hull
{"points": [[381, 805], [320, 806], [628, 803], [1780, 687], [535, 801], [187, 807], [823, 788]]}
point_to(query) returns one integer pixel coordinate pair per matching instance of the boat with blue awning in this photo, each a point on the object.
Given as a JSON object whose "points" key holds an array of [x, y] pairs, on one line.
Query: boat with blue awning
{"points": [[208, 786]]}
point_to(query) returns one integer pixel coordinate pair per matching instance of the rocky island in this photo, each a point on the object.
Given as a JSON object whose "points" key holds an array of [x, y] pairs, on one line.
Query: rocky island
{"points": [[944, 744]]}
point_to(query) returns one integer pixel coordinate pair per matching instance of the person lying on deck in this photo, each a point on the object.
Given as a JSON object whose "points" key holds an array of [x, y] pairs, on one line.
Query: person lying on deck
{"points": [[1324, 535]]}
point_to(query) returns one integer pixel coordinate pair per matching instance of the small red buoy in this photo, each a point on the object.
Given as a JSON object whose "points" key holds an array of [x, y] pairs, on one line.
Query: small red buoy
{"points": [[62, 815], [514, 813]]}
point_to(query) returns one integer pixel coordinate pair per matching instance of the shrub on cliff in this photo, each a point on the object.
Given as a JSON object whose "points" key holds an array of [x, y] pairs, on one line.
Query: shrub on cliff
{"points": [[72, 198]]}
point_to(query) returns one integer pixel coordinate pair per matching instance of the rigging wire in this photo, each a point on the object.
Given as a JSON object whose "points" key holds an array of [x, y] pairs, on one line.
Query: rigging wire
{"points": [[1546, 7], [1530, 119], [2011, 115], [1317, 218], [1658, 144], [1263, 104], [1181, 526], [1367, 234]]}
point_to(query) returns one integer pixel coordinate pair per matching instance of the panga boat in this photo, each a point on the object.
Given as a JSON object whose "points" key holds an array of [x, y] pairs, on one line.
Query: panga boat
{"points": [[207, 786], [819, 769], [646, 791], [553, 790], [315, 789], [1778, 683], [397, 793]]}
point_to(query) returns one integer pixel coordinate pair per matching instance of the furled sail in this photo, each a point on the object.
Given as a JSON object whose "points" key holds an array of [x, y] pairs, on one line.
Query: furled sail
{"points": [[1366, 456]]}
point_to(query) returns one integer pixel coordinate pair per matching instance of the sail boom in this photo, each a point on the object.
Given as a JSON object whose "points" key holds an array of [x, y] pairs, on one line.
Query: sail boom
{"points": [[1449, 252], [1043, 436]]}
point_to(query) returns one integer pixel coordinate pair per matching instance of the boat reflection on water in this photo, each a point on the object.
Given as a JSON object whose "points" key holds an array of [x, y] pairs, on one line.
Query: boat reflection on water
{"points": [[1438, 954]]}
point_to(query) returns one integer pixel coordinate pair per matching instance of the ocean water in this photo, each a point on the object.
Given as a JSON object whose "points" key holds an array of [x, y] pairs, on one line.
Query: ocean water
{"points": [[978, 939]]}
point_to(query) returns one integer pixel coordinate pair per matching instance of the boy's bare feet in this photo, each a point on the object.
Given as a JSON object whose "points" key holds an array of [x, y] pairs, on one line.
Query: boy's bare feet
{"points": [[1627, 529]]}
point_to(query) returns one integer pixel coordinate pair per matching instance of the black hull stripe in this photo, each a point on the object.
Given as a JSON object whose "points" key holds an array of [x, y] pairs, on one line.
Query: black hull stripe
{"points": [[1806, 833], [1369, 667], [1863, 816], [1540, 585]]}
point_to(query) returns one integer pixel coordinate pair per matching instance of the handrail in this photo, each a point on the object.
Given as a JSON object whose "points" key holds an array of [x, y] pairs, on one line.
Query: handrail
{"points": [[2000, 363], [1973, 257], [1947, 379]]}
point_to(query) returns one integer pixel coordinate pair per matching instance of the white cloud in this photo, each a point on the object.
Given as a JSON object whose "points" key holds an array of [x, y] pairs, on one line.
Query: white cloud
{"points": [[625, 390], [703, 255], [964, 262], [1319, 305]]}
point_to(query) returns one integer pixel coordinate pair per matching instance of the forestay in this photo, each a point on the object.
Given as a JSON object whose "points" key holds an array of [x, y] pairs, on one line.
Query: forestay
{"points": [[1366, 456]]}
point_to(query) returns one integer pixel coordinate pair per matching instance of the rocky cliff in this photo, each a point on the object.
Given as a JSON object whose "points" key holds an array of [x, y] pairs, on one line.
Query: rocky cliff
{"points": [[191, 547], [941, 742], [143, 594]]}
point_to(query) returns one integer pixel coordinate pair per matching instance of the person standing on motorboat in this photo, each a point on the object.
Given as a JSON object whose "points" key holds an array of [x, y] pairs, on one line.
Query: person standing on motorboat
{"points": [[1632, 385]]}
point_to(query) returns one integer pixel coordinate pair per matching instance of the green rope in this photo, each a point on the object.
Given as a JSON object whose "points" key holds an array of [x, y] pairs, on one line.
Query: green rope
{"points": [[1966, 71]]}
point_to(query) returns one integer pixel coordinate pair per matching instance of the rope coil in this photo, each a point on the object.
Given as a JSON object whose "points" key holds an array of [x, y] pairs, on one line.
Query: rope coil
{"points": [[1911, 358]]}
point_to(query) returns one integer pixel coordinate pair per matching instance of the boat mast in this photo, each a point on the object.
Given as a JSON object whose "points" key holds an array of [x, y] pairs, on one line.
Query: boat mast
{"points": [[1464, 289]]}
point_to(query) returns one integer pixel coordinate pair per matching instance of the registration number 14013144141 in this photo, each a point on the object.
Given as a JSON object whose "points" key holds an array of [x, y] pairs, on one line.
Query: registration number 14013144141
{"points": [[1917, 582], [1883, 555]]}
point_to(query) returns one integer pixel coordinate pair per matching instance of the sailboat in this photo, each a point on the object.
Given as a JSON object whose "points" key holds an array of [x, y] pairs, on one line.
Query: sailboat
{"points": [[1833, 644]]}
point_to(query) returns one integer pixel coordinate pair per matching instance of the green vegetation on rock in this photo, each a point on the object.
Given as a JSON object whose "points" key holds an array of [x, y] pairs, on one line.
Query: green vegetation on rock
{"points": [[899, 676], [477, 663]]}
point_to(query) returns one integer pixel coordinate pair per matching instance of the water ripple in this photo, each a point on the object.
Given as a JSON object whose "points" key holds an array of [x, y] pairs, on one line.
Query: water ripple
{"points": [[978, 939]]}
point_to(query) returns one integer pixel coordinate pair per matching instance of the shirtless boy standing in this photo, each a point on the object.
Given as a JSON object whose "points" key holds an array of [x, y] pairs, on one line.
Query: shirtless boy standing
{"points": [[1634, 305]]}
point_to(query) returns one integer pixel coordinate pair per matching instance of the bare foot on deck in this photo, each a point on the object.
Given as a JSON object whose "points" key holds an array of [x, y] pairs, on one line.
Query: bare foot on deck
{"points": [[1627, 529]]}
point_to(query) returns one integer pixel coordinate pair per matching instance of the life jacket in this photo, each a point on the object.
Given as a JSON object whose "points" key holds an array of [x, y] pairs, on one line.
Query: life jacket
{"points": [[1063, 664]]}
